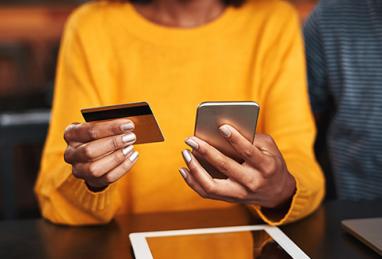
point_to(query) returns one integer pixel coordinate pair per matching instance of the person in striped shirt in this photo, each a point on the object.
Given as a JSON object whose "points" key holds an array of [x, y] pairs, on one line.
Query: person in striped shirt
{"points": [[344, 55]]}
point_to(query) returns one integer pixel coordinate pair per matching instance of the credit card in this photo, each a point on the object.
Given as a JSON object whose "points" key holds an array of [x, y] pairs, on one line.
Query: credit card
{"points": [[146, 127]]}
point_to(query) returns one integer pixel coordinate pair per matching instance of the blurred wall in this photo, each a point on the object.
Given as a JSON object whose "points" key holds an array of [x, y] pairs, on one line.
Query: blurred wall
{"points": [[29, 38], [29, 35]]}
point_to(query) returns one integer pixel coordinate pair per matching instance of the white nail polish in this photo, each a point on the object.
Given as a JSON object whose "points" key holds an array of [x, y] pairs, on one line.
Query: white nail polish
{"points": [[128, 138], [134, 156], [186, 155], [183, 172], [192, 143], [127, 126], [127, 150], [225, 130]]}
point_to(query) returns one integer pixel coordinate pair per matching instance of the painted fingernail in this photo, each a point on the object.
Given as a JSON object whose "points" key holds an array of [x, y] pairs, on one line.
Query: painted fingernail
{"points": [[128, 138], [186, 155], [183, 172], [225, 130], [127, 150], [127, 126], [134, 156], [192, 143]]}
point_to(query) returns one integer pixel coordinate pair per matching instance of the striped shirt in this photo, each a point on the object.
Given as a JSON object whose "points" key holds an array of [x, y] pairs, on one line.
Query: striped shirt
{"points": [[344, 55]]}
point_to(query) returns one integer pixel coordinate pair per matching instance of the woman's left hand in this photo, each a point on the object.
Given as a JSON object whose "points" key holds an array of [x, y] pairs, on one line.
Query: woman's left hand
{"points": [[263, 179]]}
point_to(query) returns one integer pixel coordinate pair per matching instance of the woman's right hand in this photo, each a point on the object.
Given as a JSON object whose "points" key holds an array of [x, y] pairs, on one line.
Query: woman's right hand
{"points": [[100, 152]]}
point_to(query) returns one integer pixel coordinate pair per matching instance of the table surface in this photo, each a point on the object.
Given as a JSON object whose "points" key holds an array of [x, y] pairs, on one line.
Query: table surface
{"points": [[319, 235]]}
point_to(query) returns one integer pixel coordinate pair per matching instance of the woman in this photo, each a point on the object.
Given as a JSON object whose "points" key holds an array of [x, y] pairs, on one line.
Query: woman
{"points": [[175, 54]]}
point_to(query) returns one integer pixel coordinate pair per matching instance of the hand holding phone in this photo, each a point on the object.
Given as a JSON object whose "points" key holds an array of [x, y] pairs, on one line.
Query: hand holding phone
{"points": [[256, 173], [211, 115]]}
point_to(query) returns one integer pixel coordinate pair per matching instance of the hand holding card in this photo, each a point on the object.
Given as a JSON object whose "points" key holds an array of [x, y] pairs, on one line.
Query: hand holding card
{"points": [[101, 150]]}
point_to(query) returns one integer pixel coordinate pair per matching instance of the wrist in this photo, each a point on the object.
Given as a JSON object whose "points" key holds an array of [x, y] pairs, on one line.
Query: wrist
{"points": [[275, 213], [290, 187], [284, 197], [95, 188]]}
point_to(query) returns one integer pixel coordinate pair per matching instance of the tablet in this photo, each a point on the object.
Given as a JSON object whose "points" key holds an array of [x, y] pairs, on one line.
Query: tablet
{"points": [[242, 242]]}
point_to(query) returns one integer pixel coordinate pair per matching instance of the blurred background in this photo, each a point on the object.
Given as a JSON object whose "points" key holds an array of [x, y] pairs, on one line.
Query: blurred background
{"points": [[30, 32]]}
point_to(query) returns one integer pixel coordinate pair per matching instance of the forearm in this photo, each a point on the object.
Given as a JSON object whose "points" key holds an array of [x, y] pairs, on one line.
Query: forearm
{"points": [[64, 199]]}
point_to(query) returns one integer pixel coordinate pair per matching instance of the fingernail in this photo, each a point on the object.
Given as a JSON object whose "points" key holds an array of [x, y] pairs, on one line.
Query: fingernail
{"points": [[225, 130], [128, 138], [134, 156], [127, 126], [192, 143], [127, 150], [186, 155], [183, 172]]}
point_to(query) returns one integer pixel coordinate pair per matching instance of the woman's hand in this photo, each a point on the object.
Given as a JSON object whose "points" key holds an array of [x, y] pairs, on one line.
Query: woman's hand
{"points": [[100, 152], [263, 179]]}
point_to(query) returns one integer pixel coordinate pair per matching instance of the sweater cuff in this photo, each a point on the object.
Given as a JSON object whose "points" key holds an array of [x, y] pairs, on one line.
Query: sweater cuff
{"points": [[77, 192], [296, 209]]}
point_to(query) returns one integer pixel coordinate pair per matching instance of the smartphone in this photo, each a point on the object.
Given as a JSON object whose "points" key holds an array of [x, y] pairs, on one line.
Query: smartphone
{"points": [[210, 116]]}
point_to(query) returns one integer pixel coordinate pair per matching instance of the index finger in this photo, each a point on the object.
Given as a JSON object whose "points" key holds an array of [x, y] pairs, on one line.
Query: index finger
{"points": [[89, 131], [218, 160], [248, 151], [213, 188]]}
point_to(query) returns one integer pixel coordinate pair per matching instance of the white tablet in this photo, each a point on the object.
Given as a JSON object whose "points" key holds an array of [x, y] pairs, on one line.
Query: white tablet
{"points": [[242, 242]]}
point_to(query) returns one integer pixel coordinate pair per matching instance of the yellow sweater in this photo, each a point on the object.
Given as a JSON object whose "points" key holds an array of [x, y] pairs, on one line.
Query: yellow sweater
{"points": [[112, 55]]}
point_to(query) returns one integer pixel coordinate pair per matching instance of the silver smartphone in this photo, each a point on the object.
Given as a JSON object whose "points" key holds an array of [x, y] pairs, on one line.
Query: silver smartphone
{"points": [[211, 115]]}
